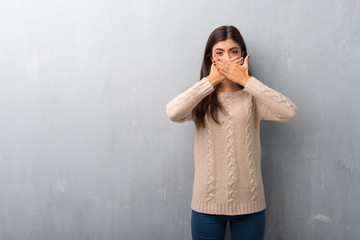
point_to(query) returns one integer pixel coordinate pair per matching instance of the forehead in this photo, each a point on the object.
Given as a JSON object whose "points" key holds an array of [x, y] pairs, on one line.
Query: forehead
{"points": [[226, 45]]}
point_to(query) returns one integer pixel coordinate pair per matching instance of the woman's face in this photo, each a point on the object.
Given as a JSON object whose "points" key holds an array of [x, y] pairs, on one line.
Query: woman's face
{"points": [[226, 49]]}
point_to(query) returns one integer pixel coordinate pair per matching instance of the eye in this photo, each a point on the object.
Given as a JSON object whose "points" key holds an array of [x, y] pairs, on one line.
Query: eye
{"points": [[219, 53], [235, 51]]}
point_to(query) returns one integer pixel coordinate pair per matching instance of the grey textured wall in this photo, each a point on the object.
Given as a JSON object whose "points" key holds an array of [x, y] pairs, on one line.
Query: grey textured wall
{"points": [[86, 148]]}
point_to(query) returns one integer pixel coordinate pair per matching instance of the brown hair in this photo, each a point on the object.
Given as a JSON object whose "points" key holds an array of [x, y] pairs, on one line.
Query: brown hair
{"points": [[210, 104]]}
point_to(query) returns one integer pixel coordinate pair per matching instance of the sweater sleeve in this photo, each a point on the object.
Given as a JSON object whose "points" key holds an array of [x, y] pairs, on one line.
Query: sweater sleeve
{"points": [[270, 104], [179, 109]]}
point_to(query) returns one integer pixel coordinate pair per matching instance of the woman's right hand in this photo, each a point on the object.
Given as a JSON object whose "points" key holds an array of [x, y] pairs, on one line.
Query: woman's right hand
{"points": [[215, 77]]}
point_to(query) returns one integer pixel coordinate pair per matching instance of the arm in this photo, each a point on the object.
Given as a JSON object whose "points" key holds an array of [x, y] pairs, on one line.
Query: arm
{"points": [[179, 109], [270, 104]]}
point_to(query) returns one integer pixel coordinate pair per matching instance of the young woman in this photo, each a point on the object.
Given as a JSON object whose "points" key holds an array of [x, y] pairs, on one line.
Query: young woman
{"points": [[227, 105]]}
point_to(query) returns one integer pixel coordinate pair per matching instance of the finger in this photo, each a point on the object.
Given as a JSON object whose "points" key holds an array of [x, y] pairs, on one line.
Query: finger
{"points": [[222, 64], [233, 59], [224, 73], [246, 62], [222, 69], [214, 66], [239, 61], [214, 57], [224, 60], [236, 58]]}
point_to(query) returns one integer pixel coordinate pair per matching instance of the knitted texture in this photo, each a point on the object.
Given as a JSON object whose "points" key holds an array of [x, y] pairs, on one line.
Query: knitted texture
{"points": [[179, 109], [249, 151], [210, 192], [227, 156], [230, 152]]}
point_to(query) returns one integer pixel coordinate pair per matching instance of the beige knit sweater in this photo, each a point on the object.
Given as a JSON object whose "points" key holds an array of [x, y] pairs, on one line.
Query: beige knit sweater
{"points": [[227, 157]]}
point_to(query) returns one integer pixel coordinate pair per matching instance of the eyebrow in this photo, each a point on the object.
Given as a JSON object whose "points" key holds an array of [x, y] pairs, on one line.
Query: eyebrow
{"points": [[223, 49]]}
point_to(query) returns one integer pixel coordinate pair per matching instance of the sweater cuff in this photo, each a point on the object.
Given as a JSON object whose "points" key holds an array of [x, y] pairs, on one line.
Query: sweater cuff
{"points": [[205, 86], [253, 85]]}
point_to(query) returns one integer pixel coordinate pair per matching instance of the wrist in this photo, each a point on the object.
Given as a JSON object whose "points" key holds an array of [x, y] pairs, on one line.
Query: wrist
{"points": [[212, 81], [246, 79]]}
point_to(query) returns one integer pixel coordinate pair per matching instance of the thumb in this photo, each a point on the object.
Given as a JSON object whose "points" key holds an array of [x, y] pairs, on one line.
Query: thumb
{"points": [[246, 62]]}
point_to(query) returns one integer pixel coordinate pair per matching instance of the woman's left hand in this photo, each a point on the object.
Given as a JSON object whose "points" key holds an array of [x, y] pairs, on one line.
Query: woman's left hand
{"points": [[233, 71]]}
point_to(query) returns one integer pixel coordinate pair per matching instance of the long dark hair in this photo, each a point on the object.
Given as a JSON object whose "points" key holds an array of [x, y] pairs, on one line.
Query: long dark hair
{"points": [[210, 104]]}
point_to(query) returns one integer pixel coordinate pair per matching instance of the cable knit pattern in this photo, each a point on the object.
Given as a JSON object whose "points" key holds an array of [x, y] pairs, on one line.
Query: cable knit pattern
{"points": [[185, 96], [273, 105], [249, 151], [210, 191], [179, 108], [275, 95], [230, 152], [227, 155]]}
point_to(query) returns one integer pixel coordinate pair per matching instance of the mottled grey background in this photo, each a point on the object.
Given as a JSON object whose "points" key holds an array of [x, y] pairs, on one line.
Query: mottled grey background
{"points": [[86, 148]]}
